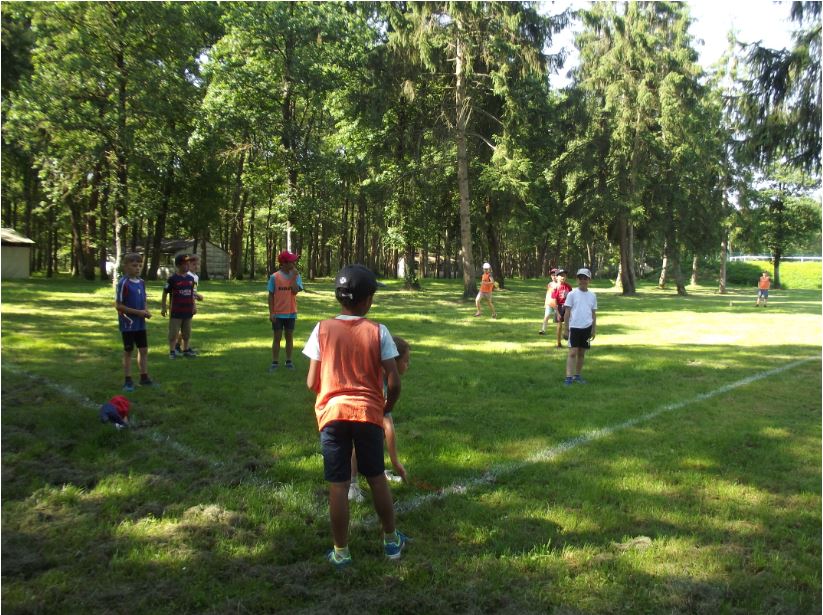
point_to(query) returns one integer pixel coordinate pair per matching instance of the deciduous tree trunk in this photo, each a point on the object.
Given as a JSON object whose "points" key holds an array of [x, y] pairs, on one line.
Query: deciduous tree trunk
{"points": [[463, 112]]}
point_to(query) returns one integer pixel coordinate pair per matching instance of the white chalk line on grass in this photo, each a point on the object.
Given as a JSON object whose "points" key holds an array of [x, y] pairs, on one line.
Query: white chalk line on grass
{"points": [[490, 476], [551, 453]]}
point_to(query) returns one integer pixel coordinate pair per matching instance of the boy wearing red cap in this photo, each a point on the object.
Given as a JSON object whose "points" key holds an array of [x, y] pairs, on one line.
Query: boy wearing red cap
{"points": [[284, 284]]}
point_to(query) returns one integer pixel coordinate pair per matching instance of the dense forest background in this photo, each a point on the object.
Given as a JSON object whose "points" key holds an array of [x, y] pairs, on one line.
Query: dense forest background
{"points": [[422, 131]]}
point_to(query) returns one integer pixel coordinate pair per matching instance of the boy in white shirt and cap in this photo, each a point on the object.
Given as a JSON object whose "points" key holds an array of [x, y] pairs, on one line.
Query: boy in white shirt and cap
{"points": [[580, 320]]}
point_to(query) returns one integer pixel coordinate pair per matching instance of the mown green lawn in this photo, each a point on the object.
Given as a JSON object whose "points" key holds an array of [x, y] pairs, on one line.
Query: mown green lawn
{"points": [[215, 502]]}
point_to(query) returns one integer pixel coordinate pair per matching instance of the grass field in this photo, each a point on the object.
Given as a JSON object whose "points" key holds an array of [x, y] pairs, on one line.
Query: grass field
{"points": [[684, 478]]}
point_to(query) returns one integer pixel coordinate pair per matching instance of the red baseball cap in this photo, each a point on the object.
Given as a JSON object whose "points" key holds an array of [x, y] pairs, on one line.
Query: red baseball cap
{"points": [[121, 404], [287, 257]]}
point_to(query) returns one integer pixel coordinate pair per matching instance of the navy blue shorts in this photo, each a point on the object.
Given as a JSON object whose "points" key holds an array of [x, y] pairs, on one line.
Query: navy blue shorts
{"points": [[336, 442], [278, 324], [134, 338], [579, 338]]}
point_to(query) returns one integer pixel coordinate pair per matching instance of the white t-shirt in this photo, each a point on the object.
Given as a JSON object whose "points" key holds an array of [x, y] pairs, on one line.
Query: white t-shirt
{"points": [[582, 304], [388, 349], [194, 277]]}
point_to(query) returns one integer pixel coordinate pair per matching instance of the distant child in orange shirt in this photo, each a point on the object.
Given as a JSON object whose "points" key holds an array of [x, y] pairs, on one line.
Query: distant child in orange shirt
{"points": [[350, 357], [763, 286], [486, 290], [284, 284]]}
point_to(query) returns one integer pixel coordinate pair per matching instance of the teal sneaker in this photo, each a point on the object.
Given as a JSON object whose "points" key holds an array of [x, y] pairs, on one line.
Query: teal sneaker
{"points": [[338, 561], [393, 549]]}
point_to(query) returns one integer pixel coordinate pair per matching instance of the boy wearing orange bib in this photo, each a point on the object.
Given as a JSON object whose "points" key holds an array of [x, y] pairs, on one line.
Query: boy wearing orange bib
{"points": [[284, 285], [486, 290], [763, 286], [349, 357]]}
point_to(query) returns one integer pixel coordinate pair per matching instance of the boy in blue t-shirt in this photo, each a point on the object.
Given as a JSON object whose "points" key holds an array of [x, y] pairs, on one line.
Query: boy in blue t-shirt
{"points": [[130, 301]]}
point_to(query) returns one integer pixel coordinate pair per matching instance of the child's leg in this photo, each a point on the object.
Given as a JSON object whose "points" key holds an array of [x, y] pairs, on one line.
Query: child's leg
{"points": [[571, 362], [185, 332], [383, 504], [353, 466], [127, 364], [477, 304], [174, 329], [339, 513], [289, 343], [581, 354], [275, 345], [491, 306], [143, 360]]}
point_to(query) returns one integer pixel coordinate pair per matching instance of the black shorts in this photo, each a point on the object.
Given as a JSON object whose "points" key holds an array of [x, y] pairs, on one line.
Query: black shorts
{"points": [[559, 311], [134, 338], [579, 338], [336, 442], [278, 324]]}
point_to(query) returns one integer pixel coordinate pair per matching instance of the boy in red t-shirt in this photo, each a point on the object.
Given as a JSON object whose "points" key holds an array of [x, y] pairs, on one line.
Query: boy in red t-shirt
{"points": [[559, 295], [349, 357]]}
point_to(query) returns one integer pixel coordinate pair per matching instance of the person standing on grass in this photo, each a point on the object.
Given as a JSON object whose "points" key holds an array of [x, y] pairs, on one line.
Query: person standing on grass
{"points": [[486, 290], [132, 314], [550, 303], [580, 318], [349, 356], [763, 286], [561, 292], [181, 288], [193, 273], [402, 360], [284, 284]]}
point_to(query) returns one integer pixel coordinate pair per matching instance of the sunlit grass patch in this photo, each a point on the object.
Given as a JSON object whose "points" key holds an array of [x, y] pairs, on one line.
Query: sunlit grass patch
{"points": [[215, 502]]}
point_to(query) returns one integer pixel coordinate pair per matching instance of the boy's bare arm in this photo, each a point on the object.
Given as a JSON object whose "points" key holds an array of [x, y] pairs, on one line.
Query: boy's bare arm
{"points": [[271, 306], [124, 309], [391, 445], [594, 323], [313, 377], [393, 387], [163, 303]]}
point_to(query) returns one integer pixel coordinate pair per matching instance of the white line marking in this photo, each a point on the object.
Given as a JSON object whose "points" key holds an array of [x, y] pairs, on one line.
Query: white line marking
{"points": [[551, 453]]}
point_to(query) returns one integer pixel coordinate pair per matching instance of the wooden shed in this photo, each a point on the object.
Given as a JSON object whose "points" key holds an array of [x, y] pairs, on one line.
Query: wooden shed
{"points": [[16, 255], [217, 259]]}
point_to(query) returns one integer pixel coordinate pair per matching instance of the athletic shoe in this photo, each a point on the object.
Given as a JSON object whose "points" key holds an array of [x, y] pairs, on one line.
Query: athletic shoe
{"points": [[568, 381], [189, 353], [148, 382], [393, 549], [541, 333], [173, 354], [476, 315], [355, 493], [580, 380], [289, 365], [128, 386], [273, 367], [393, 478], [338, 561], [177, 348]]}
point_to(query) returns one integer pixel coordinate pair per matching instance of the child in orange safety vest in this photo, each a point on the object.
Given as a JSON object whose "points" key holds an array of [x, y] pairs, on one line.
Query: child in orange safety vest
{"points": [[284, 285], [486, 289]]}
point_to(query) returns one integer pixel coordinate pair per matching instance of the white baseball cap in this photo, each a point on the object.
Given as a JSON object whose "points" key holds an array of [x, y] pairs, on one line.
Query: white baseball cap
{"points": [[585, 272], [486, 266]]}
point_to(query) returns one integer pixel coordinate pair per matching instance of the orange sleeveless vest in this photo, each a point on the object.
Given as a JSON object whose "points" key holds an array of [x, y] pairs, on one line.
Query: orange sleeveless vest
{"points": [[285, 301], [351, 372], [486, 284]]}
